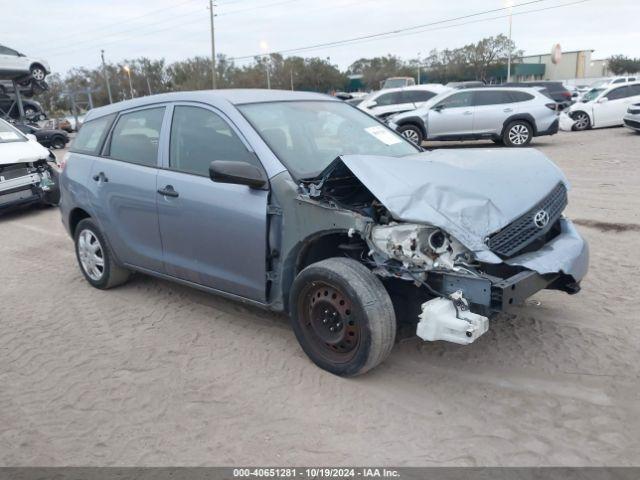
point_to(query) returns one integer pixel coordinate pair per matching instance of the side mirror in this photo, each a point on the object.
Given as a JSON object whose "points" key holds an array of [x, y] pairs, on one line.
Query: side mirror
{"points": [[372, 104], [603, 100], [438, 108], [31, 137], [239, 173]]}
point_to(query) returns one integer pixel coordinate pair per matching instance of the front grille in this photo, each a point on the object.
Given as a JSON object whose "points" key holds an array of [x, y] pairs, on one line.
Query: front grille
{"points": [[632, 123], [521, 232]]}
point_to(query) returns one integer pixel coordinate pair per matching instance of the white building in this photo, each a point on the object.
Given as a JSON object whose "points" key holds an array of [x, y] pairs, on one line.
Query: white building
{"points": [[572, 67]]}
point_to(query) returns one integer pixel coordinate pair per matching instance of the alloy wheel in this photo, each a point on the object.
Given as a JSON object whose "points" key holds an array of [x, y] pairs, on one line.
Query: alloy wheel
{"points": [[519, 134], [91, 255], [411, 135], [37, 74], [582, 121]]}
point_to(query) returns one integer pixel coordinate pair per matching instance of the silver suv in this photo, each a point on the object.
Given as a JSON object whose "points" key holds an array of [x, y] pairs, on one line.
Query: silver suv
{"points": [[512, 116]]}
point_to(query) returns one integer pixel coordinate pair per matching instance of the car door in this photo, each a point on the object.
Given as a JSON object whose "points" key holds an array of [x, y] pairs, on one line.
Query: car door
{"points": [[125, 190], [10, 60], [451, 116], [609, 112], [491, 109], [213, 234]]}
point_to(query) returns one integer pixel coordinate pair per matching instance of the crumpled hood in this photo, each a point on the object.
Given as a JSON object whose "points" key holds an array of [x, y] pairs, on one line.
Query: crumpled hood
{"points": [[22, 152], [469, 193]]}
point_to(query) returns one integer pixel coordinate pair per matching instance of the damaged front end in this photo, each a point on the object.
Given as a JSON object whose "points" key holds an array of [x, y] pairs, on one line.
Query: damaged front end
{"points": [[28, 183], [452, 252]]}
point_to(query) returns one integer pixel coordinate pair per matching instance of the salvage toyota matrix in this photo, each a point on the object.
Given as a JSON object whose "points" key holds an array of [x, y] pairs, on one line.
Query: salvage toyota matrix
{"points": [[300, 203]]}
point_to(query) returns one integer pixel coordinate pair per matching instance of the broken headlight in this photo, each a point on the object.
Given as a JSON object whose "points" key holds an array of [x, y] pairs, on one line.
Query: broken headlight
{"points": [[416, 245]]}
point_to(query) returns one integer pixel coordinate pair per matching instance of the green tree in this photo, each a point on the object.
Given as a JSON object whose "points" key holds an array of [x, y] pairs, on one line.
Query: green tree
{"points": [[621, 64]]}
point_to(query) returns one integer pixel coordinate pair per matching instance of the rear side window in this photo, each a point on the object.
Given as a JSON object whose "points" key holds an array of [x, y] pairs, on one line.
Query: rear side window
{"points": [[618, 93], [198, 137], [635, 90], [418, 96], [388, 99], [461, 99], [524, 96], [136, 135], [92, 135], [491, 97]]}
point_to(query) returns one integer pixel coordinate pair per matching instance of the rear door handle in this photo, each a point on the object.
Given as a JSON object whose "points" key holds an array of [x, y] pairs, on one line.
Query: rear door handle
{"points": [[168, 191], [100, 176], [468, 113], [508, 110]]}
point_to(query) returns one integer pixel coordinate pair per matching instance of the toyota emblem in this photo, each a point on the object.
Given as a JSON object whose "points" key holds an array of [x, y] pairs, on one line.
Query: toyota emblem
{"points": [[541, 219]]}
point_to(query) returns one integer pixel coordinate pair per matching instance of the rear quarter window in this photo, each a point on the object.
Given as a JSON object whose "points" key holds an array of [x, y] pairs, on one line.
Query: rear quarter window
{"points": [[521, 96], [92, 134]]}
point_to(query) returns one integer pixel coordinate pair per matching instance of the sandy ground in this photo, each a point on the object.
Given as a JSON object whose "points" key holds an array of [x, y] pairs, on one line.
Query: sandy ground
{"points": [[156, 374]]}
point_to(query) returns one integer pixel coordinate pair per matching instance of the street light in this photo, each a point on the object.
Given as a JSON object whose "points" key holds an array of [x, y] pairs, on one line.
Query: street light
{"points": [[509, 4], [128, 70], [264, 46]]}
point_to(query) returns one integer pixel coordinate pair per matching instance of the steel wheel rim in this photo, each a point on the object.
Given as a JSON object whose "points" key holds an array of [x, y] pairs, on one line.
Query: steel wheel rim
{"points": [[91, 255], [38, 74], [411, 135], [518, 134], [582, 121], [328, 322]]}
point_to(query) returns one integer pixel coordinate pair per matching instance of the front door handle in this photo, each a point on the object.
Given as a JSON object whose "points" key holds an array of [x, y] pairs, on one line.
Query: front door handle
{"points": [[100, 176], [508, 110], [468, 113], [168, 191]]}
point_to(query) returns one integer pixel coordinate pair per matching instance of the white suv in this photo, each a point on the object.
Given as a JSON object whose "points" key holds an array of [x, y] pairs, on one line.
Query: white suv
{"points": [[15, 65], [390, 101], [508, 115]]}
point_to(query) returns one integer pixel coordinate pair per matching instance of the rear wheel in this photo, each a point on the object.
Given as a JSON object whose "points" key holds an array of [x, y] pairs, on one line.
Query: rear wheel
{"points": [[342, 316], [411, 133], [58, 142], [95, 258], [517, 134], [37, 72], [582, 121]]}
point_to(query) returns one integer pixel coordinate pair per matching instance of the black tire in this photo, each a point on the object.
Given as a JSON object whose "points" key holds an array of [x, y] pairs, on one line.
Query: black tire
{"points": [[58, 142], [343, 294], [517, 134], [411, 133], [111, 274], [582, 121], [37, 72]]}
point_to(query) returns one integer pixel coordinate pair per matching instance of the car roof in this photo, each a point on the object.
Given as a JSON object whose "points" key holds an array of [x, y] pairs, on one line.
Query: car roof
{"points": [[233, 96]]}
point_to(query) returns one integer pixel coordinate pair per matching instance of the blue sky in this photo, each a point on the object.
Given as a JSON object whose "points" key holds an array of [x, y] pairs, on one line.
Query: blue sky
{"points": [[70, 33]]}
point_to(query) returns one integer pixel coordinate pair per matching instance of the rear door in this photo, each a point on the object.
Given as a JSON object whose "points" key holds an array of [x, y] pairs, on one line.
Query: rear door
{"points": [[452, 116], [610, 112], [124, 181], [492, 108], [213, 234]]}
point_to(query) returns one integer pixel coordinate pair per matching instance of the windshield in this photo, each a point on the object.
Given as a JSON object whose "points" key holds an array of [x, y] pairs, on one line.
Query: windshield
{"points": [[592, 94], [308, 135], [8, 134]]}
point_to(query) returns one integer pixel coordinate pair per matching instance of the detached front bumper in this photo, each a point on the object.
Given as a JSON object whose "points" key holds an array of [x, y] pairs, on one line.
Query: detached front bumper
{"points": [[561, 264]]}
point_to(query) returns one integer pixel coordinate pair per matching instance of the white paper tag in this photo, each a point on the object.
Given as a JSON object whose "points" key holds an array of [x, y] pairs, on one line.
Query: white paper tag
{"points": [[9, 136], [382, 134]]}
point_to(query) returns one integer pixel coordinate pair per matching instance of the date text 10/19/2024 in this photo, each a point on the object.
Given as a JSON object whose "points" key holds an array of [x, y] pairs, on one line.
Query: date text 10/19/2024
{"points": [[319, 472]]}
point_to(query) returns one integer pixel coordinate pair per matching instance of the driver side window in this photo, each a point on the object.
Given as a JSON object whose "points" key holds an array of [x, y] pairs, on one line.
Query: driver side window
{"points": [[199, 137], [618, 93], [460, 99]]}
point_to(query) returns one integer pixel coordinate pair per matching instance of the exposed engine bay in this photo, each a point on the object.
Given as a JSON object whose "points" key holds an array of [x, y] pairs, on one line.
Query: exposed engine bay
{"points": [[449, 278], [28, 182]]}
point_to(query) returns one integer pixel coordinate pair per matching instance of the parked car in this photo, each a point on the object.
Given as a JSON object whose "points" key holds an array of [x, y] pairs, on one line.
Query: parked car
{"points": [[512, 116], [28, 173], [58, 124], [632, 118], [396, 100], [466, 84], [46, 137], [14, 64], [29, 90], [398, 82], [32, 109], [560, 94], [604, 107], [316, 209], [607, 82]]}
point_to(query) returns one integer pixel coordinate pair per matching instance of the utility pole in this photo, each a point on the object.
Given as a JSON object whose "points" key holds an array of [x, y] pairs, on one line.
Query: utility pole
{"points": [[268, 73], [509, 4], [213, 47], [149, 85], [291, 79], [128, 70], [106, 76]]}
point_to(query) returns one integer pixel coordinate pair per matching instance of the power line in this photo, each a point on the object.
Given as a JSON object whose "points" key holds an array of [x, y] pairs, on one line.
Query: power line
{"points": [[405, 32]]}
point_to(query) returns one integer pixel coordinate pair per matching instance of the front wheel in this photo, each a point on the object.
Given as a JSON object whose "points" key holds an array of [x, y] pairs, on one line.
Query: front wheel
{"points": [[411, 133], [95, 259], [582, 121], [37, 73], [517, 134], [342, 316], [58, 143]]}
